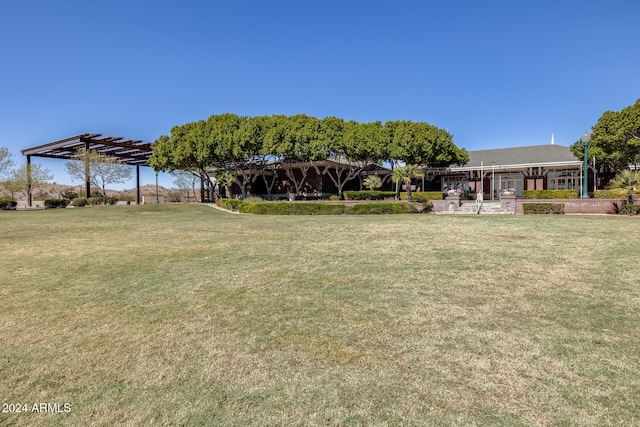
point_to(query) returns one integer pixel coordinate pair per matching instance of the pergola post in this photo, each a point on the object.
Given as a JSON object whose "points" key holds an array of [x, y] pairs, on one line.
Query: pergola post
{"points": [[137, 184], [29, 181], [87, 171]]}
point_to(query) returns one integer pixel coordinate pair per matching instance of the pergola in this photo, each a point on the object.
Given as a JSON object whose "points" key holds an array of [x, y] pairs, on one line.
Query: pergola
{"points": [[128, 151]]}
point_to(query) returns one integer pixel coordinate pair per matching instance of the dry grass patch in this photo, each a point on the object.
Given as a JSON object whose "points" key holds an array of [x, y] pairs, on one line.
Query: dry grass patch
{"points": [[187, 315]]}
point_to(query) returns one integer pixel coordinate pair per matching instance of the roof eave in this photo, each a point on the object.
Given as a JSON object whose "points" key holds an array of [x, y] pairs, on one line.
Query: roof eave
{"points": [[517, 166]]}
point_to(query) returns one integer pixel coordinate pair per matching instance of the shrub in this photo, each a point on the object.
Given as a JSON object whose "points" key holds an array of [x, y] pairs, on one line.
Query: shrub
{"points": [[230, 204], [629, 209], [614, 193], [383, 208], [79, 202], [423, 196], [334, 198], [543, 208], [368, 195], [7, 203], [427, 207], [112, 200], [69, 194], [288, 208], [550, 194], [94, 200], [56, 203], [173, 197]]}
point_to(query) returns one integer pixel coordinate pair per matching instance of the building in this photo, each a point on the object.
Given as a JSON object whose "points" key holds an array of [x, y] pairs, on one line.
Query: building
{"points": [[538, 167]]}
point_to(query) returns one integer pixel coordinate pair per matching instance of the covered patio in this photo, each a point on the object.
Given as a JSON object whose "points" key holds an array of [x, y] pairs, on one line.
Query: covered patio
{"points": [[132, 152], [539, 167]]}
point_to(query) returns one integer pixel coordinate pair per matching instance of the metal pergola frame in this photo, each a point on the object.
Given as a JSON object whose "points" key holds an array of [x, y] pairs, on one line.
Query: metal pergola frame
{"points": [[132, 152]]}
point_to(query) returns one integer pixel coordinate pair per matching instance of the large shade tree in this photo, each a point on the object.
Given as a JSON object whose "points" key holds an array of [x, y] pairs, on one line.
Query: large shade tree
{"points": [[235, 139], [295, 142], [423, 145], [361, 145], [189, 148], [265, 164], [259, 147], [615, 139], [419, 143]]}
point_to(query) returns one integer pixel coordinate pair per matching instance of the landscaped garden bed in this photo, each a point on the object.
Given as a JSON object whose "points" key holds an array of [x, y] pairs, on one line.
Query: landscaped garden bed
{"points": [[323, 208]]}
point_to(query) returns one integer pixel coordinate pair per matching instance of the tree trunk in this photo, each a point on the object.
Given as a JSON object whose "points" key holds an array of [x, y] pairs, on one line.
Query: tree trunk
{"points": [[409, 196], [269, 186]]}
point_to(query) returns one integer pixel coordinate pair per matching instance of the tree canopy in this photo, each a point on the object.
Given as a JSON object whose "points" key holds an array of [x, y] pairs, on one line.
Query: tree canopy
{"points": [[615, 140], [244, 145]]}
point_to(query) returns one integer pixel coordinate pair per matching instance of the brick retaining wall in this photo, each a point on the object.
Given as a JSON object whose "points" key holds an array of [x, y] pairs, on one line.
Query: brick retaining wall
{"points": [[578, 206], [571, 206]]}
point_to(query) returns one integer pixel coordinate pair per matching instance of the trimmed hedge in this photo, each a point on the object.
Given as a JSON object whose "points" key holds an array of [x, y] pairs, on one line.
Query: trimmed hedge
{"points": [[56, 203], [383, 209], [289, 208], [614, 193], [543, 208], [230, 204], [7, 204], [418, 196], [369, 195], [628, 209], [550, 194], [423, 196]]}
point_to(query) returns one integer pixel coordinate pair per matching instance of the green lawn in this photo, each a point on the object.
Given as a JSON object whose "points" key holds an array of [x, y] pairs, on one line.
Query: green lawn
{"points": [[185, 315]]}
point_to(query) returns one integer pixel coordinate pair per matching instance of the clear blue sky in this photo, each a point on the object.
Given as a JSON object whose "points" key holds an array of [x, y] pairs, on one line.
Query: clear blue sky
{"points": [[494, 73]]}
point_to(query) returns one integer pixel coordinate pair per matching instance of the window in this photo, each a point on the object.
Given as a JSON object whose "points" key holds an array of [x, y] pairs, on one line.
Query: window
{"points": [[563, 180], [458, 182], [515, 181]]}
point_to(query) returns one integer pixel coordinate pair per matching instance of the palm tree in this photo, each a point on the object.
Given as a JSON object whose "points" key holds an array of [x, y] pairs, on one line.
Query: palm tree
{"points": [[226, 179], [406, 174], [372, 182], [629, 181]]}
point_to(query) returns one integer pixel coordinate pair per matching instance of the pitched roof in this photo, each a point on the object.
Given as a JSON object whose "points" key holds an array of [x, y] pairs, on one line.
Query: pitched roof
{"points": [[531, 155]]}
